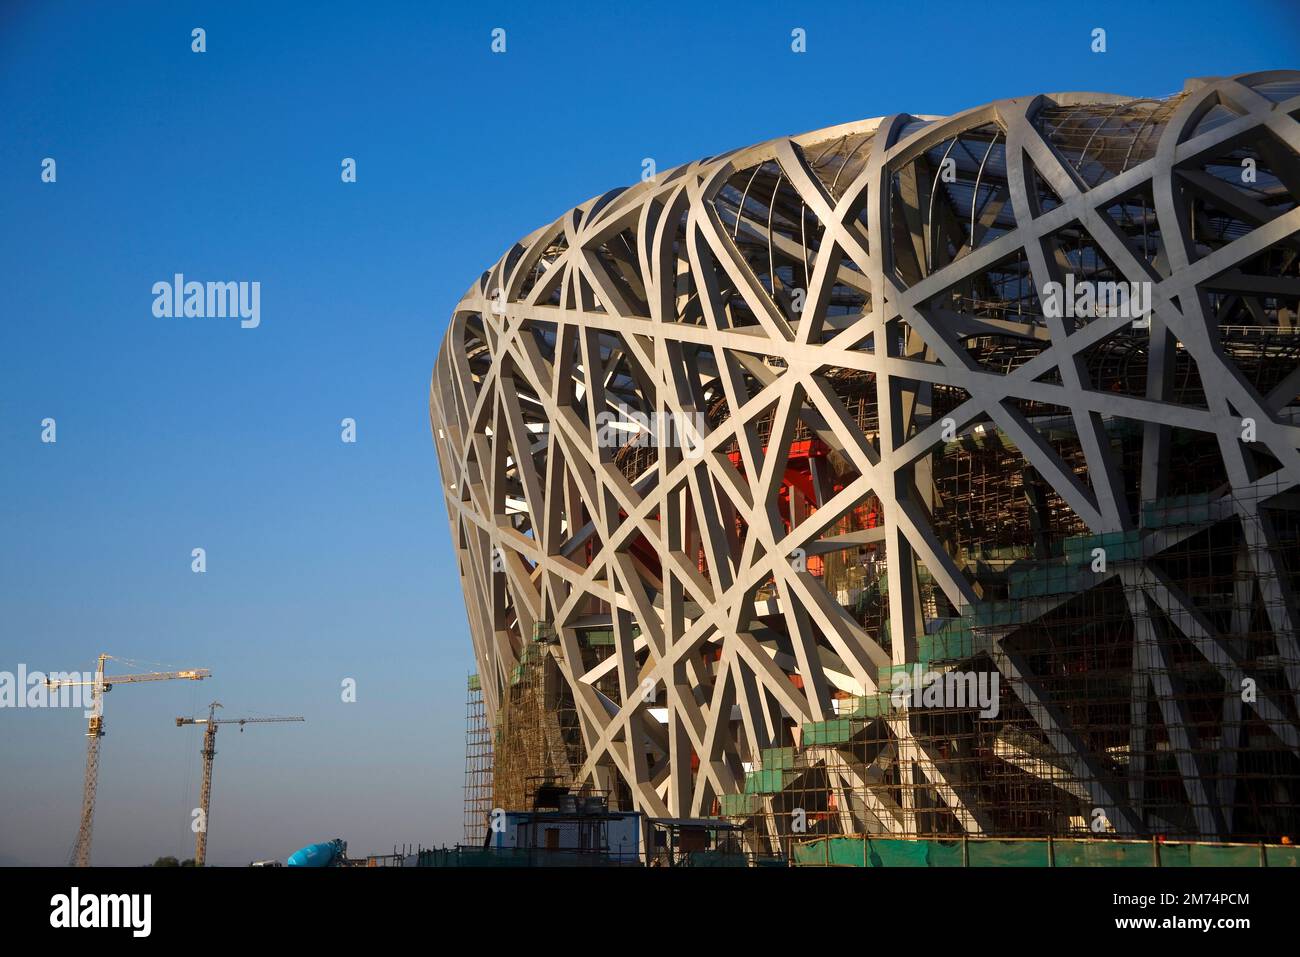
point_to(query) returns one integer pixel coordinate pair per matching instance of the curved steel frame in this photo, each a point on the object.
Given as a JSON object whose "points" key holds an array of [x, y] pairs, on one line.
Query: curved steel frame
{"points": [[746, 289]]}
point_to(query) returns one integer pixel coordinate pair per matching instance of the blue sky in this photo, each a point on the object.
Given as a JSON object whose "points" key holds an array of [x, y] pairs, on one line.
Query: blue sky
{"points": [[326, 560]]}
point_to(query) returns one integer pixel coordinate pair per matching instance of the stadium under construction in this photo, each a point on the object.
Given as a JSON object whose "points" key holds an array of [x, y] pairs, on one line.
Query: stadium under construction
{"points": [[999, 409]]}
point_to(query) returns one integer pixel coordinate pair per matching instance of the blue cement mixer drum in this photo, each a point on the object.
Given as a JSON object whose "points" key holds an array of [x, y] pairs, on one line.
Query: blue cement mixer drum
{"points": [[317, 855]]}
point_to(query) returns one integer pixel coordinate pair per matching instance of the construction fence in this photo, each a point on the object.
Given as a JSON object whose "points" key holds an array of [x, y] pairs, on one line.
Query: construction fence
{"points": [[862, 851]]}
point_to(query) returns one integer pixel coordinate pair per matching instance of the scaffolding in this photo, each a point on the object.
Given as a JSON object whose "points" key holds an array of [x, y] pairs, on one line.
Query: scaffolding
{"points": [[537, 740], [1143, 696], [478, 764]]}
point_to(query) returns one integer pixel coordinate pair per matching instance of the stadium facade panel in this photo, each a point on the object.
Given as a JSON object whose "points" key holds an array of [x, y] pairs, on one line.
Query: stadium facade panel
{"points": [[919, 476]]}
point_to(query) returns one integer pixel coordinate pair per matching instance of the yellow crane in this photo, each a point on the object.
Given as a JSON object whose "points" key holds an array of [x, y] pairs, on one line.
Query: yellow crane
{"points": [[209, 751], [100, 685]]}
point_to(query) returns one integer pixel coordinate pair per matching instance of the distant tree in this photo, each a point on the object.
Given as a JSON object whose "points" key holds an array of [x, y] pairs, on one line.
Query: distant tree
{"points": [[167, 862]]}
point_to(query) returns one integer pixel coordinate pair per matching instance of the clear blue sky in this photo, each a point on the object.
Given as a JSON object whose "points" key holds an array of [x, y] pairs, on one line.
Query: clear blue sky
{"points": [[326, 560]]}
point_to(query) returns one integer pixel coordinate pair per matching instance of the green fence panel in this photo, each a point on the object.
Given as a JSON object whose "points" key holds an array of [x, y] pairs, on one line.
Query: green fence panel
{"points": [[1240, 856], [892, 853], [436, 857], [845, 851], [1007, 853], [896, 852], [944, 854], [1282, 856], [493, 857], [1102, 854], [809, 854], [1175, 855], [716, 859]]}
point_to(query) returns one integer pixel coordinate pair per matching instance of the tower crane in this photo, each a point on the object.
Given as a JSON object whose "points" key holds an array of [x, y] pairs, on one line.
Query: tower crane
{"points": [[209, 751], [99, 686]]}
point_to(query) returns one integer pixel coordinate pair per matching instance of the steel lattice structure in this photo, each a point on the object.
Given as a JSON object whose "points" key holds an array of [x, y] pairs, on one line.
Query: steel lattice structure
{"points": [[904, 458]]}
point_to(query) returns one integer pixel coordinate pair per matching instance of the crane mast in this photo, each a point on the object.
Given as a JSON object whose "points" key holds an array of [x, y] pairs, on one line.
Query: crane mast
{"points": [[99, 686], [209, 751]]}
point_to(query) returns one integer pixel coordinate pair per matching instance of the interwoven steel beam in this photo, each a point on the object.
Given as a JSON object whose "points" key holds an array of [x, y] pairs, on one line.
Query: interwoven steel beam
{"points": [[832, 324]]}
